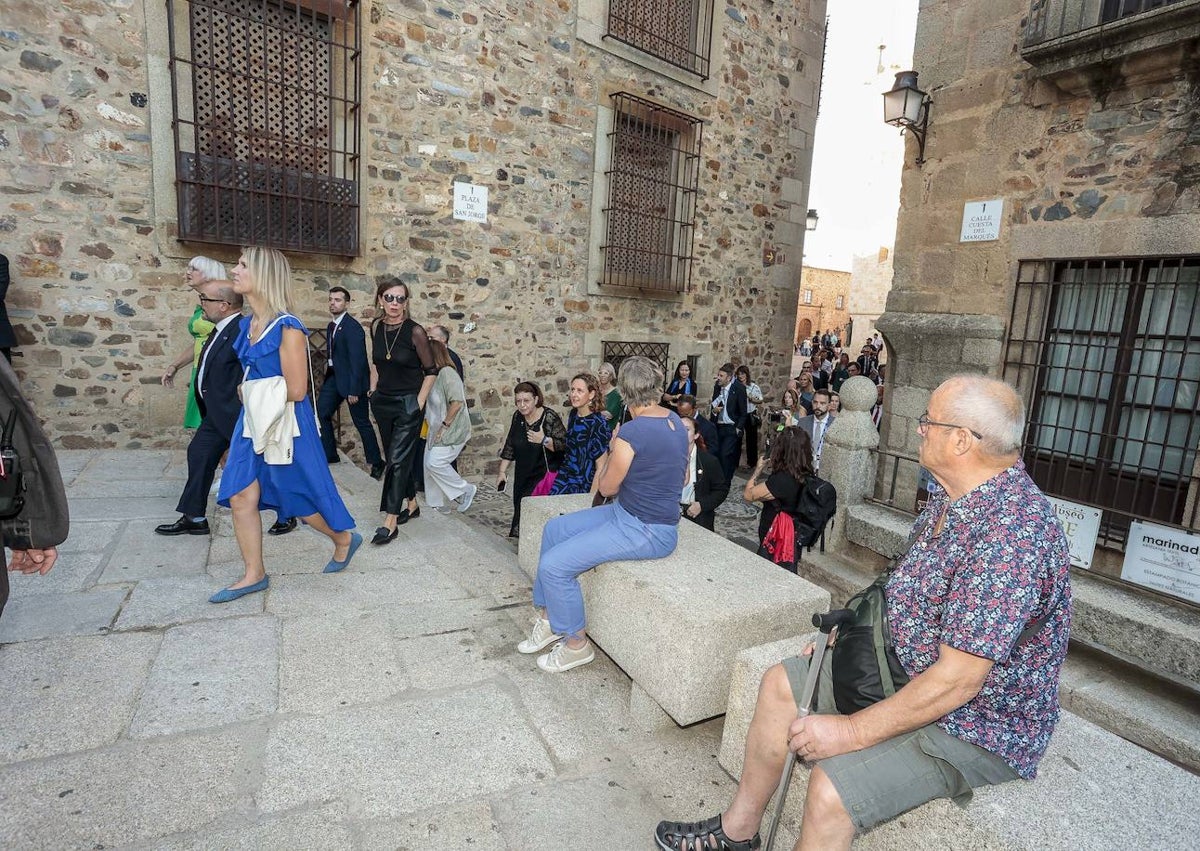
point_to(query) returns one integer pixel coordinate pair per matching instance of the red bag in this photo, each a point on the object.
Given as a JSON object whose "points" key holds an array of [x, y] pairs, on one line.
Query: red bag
{"points": [[779, 545], [542, 488]]}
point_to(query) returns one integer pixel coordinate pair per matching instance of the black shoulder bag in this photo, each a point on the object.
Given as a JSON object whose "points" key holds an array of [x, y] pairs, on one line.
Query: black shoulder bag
{"points": [[12, 478]]}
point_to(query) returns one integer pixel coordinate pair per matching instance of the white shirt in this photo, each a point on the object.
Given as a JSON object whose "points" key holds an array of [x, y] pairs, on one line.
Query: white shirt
{"points": [[724, 418], [688, 496], [204, 360], [820, 426], [337, 322]]}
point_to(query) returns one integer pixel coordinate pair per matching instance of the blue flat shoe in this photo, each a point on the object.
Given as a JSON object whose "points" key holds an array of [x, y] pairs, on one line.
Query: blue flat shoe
{"points": [[226, 595], [334, 566]]}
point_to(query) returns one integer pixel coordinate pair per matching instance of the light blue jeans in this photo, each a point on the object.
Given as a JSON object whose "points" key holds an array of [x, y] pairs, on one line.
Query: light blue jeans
{"points": [[577, 542]]}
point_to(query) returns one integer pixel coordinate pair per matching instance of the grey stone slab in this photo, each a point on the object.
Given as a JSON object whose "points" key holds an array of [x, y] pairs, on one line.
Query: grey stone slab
{"points": [[172, 601], [89, 536], [403, 756], [325, 829], [470, 825], [70, 694], [127, 465], [139, 553], [87, 487], [441, 616], [126, 793], [299, 551], [351, 591], [455, 658], [73, 571], [71, 613], [152, 510], [327, 662], [600, 811], [680, 773], [71, 462], [210, 674]]}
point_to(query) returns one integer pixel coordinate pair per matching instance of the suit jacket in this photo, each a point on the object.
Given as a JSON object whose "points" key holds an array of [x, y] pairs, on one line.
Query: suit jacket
{"points": [[708, 431], [351, 376], [808, 424], [711, 487], [220, 404], [44, 521], [8, 337], [737, 406]]}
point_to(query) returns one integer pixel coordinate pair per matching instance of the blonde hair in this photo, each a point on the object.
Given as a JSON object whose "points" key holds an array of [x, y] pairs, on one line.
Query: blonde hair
{"points": [[272, 277], [209, 268]]}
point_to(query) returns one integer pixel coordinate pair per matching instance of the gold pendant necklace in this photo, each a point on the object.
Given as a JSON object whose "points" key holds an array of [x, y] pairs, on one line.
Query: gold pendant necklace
{"points": [[388, 345]]}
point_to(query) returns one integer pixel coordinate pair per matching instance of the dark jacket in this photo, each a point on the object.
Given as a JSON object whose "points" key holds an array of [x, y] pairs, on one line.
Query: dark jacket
{"points": [[708, 431], [8, 337], [351, 375], [44, 521], [220, 403], [711, 488], [737, 403]]}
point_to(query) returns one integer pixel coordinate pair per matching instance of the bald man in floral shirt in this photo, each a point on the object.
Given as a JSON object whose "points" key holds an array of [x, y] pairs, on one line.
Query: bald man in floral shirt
{"points": [[979, 611]]}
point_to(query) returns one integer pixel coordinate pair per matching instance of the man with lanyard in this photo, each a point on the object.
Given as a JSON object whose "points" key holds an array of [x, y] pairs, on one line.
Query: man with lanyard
{"points": [[817, 424], [729, 409]]}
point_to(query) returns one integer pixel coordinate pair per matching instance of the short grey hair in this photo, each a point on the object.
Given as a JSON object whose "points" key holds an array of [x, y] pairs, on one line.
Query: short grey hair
{"points": [[990, 406], [209, 268], [606, 367], [640, 382]]}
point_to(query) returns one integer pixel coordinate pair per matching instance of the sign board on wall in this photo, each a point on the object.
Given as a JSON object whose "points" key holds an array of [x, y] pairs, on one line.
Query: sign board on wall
{"points": [[470, 202], [1164, 559], [1082, 525], [981, 220]]}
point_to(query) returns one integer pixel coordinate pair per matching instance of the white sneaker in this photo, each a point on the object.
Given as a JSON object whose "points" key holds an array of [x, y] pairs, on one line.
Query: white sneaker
{"points": [[540, 638], [563, 658], [464, 501]]}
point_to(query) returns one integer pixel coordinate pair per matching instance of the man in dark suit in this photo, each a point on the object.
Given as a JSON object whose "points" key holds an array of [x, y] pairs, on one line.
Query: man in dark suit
{"points": [[347, 378], [216, 389], [8, 338], [442, 334], [729, 411], [817, 423], [706, 487], [686, 407]]}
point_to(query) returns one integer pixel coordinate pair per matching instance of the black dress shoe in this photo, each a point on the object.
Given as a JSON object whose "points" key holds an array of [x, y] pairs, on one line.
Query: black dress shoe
{"points": [[282, 527], [383, 536], [183, 526], [415, 513], [377, 471]]}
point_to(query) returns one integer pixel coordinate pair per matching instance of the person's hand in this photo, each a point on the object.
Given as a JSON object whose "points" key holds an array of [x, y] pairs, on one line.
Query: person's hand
{"points": [[33, 561], [816, 737], [500, 479], [536, 436], [168, 377], [693, 510], [353, 400]]}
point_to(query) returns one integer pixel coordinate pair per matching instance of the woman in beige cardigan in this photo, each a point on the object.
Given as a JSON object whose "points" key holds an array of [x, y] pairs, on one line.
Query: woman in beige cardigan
{"points": [[449, 431]]}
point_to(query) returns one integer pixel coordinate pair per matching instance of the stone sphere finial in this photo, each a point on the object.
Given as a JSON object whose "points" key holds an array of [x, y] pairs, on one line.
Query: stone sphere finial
{"points": [[858, 394]]}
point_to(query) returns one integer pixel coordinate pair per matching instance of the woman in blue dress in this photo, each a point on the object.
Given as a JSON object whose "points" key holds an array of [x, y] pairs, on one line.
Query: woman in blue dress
{"points": [[272, 342], [587, 437]]}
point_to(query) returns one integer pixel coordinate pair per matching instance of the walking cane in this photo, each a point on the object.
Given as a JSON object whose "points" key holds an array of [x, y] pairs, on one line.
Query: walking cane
{"points": [[827, 624]]}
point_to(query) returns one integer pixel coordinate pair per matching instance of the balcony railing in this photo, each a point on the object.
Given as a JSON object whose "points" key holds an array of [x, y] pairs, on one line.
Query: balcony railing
{"points": [[1054, 19]]}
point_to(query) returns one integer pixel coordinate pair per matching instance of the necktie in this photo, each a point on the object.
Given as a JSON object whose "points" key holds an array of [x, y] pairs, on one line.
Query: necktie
{"points": [[203, 359], [330, 333]]}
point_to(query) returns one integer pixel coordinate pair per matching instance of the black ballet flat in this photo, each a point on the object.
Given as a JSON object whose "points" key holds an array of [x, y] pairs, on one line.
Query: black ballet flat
{"points": [[383, 536]]}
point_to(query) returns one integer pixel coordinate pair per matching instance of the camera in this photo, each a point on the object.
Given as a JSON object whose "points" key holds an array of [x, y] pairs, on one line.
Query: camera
{"points": [[775, 417]]}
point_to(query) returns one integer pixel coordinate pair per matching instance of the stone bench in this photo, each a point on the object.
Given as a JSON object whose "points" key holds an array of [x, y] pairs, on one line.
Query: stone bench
{"points": [[1094, 790], [675, 625]]}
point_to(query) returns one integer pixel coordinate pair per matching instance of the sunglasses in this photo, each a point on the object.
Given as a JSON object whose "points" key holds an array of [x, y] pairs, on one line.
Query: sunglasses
{"points": [[394, 299]]}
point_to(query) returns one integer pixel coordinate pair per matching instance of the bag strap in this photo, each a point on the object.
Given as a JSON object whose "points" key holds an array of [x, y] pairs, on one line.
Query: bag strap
{"points": [[10, 425]]}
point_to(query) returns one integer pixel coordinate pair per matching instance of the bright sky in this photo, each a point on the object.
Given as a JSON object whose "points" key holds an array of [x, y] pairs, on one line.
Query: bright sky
{"points": [[857, 158]]}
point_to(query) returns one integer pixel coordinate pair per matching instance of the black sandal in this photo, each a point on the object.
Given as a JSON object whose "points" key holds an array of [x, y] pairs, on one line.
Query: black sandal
{"points": [[700, 836]]}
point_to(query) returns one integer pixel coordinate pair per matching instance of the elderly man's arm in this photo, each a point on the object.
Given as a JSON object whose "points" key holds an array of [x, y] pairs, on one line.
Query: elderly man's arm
{"points": [[953, 680]]}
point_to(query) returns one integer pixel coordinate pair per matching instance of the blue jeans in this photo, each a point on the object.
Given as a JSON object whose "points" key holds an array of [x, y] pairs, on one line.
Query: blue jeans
{"points": [[574, 543]]}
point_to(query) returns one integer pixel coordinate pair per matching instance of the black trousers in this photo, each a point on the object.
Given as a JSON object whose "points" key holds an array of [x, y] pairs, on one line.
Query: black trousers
{"points": [[728, 449], [751, 435], [328, 401], [399, 419], [203, 455]]}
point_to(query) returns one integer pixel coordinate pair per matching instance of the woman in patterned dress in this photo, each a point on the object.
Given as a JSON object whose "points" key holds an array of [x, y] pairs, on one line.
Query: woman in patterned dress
{"points": [[199, 272], [587, 437]]}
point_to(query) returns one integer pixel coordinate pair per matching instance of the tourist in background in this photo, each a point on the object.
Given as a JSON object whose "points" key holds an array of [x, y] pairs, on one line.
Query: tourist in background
{"points": [[791, 464], [705, 487], [449, 430], [272, 343], [790, 408], [587, 437], [754, 398], [840, 373], [536, 437], [200, 270], [402, 375], [682, 384], [614, 408]]}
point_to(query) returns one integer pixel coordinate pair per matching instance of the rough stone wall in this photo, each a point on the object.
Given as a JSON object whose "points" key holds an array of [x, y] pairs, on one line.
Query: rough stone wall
{"points": [[870, 283], [822, 314], [504, 96]]}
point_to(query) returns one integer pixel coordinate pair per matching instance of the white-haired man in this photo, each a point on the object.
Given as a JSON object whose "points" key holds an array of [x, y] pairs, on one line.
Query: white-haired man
{"points": [[979, 610]]}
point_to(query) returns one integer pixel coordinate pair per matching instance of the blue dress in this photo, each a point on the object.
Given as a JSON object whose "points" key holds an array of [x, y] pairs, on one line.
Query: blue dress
{"points": [[587, 440], [298, 489]]}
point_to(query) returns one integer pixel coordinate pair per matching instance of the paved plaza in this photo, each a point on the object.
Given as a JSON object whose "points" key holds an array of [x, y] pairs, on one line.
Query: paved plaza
{"points": [[384, 707]]}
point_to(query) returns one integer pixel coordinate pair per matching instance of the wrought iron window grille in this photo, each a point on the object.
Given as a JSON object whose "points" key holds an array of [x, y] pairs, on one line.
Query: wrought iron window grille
{"points": [[616, 351], [653, 180], [1053, 19], [266, 98], [679, 32]]}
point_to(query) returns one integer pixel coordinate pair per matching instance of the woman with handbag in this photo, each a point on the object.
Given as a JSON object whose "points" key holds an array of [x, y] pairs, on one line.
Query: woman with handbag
{"points": [[791, 465], [587, 437], [272, 343], [754, 398], [402, 375], [449, 430], [536, 437]]}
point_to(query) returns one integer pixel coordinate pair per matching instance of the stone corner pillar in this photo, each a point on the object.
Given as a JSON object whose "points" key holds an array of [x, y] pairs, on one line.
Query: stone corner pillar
{"points": [[848, 457]]}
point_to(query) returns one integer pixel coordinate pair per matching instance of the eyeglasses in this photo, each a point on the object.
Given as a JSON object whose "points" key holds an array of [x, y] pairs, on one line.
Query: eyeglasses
{"points": [[208, 300], [923, 424], [394, 299]]}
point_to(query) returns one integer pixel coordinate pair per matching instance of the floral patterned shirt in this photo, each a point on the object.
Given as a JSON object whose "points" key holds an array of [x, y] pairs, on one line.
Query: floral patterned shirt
{"points": [[1000, 561]]}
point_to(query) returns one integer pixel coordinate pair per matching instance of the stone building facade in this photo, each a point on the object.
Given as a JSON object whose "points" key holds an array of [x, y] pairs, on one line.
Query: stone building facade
{"points": [[524, 102], [823, 303], [870, 283], [1083, 120]]}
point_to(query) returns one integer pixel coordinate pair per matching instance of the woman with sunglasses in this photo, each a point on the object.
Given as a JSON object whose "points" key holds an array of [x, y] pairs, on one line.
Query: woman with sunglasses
{"points": [[200, 270], [403, 372]]}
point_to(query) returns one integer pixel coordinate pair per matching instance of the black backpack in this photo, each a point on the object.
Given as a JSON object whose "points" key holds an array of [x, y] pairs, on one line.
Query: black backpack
{"points": [[815, 506]]}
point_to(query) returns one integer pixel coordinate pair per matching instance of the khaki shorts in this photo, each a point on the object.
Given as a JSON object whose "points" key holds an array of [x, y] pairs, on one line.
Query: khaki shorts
{"points": [[893, 777]]}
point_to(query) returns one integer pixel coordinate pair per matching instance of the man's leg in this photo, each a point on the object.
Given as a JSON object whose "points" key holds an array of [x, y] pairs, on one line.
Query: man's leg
{"points": [[360, 413], [327, 403], [728, 437], [826, 823], [203, 455]]}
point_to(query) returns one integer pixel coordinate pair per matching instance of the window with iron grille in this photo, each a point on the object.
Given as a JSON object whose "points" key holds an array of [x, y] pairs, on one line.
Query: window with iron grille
{"points": [[679, 32], [266, 97], [1108, 354], [615, 352], [650, 213]]}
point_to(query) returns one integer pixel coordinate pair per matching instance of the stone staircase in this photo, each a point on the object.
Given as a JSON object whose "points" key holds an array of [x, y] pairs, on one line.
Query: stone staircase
{"points": [[1134, 662]]}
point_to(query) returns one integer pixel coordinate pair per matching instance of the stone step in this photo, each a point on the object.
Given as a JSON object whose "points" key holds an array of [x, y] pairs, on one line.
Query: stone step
{"points": [[1143, 707], [1149, 632]]}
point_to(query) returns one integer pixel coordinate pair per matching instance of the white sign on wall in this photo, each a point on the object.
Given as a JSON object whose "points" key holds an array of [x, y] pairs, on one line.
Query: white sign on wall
{"points": [[1082, 525], [470, 202], [981, 220], [1164, 559]]}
